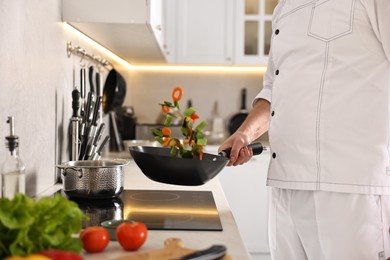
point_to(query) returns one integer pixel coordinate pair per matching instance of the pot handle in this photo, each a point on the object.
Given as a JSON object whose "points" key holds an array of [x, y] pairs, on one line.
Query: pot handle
{"points": [[122, 161], [64, 168]]}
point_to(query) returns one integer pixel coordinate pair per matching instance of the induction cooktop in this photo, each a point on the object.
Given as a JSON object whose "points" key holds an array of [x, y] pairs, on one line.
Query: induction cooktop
{"points": [[158, 209]]}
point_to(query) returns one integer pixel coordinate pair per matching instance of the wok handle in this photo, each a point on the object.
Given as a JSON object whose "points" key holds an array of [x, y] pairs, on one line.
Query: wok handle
{"points": [[257, 148]]}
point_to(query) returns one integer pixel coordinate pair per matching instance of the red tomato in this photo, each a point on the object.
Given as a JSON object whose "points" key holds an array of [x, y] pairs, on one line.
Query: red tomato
{"points": [[56, 254], [131, 235], [95, 239]]}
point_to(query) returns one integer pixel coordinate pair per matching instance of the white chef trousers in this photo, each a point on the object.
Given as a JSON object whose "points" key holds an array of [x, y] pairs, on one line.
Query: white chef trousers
{"points": [[319, 225]]}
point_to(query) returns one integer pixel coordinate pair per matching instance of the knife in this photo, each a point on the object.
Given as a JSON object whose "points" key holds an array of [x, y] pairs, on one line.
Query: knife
{"points": [[82, 90], [92, 128], [97, 155], [96, 111], [92, 89], [211, 253], [75, 121], [86, 126], [93, 147], [88, 107], [97, 81]]}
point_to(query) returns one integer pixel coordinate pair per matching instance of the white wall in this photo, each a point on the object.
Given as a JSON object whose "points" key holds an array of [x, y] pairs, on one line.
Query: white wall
{"points": [[36, 80], [148, 88]]}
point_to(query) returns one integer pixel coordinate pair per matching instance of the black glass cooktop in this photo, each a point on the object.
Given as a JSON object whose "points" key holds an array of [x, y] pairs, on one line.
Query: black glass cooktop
{"points": [[158, 209]]}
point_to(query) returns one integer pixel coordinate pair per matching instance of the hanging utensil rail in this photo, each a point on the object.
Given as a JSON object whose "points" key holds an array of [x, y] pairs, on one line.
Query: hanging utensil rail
{"points": [[82, 52]]}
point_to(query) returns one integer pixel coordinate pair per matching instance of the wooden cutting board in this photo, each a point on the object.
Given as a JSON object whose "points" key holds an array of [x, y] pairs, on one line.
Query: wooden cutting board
{"points": [[173, 249]]}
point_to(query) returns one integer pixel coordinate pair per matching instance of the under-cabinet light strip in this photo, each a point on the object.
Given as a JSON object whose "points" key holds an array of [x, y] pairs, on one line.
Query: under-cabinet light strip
{"points": [[199, 68], [97, 46], [185, 68]]}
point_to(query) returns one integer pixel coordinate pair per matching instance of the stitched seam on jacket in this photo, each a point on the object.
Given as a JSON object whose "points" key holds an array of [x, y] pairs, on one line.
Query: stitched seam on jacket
{"points": [[332, 183], [318, 116]]}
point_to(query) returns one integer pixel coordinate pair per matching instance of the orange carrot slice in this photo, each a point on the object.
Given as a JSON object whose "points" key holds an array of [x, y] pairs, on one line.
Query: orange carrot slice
{"points": [[177, 94], [165, 109], [166, 141], [166, 131]]}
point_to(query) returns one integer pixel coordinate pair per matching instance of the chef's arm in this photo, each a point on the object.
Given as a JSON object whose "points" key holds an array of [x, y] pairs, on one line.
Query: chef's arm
{"points": [[252, 128]]}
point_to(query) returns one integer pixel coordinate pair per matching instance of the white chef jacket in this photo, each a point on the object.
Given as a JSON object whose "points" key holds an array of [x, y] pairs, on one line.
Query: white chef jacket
{"points": [[328, 81]]}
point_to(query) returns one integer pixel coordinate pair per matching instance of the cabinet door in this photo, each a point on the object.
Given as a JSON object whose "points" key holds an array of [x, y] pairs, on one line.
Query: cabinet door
{"points": [[253, 31], [245, 189], [162, 24], [156, 19], [204, 31]]}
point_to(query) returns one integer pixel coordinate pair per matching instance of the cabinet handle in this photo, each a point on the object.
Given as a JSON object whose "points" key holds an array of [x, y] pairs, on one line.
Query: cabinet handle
{"points": [[159, 27]]}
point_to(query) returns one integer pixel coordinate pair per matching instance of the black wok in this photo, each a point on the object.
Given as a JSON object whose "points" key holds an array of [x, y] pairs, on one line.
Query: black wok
{"points": [[157, 164], [114, 91]]}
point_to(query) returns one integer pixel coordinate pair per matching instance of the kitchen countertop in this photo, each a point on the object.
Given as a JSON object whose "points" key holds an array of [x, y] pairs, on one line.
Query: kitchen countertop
{"points": [[230, 236]]}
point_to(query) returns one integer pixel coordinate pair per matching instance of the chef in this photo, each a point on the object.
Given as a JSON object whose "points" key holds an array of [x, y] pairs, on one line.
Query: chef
{"points": [[326, 104]]}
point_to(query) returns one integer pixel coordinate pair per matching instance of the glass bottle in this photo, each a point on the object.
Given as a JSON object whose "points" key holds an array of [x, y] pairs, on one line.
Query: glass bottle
{"points": [[13, 176]]}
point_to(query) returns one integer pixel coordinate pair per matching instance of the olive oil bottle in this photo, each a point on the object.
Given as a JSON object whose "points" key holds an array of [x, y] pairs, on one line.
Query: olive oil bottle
{"points": [[13, 179]]}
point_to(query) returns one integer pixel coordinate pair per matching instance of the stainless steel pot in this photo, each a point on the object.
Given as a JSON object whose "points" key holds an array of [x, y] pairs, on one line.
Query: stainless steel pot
{"points": [[97, 179]]}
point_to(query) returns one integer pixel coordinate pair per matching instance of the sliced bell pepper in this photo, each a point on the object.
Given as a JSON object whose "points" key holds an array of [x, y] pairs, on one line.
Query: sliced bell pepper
{"points": [[194, 116]]}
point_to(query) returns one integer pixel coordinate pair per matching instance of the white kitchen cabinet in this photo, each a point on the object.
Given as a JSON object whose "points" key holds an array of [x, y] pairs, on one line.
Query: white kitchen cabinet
{"points": [[253, 31], [163, 25], [247, 194], [157, 20], [203, 31], [218, 32], [132, 29]]}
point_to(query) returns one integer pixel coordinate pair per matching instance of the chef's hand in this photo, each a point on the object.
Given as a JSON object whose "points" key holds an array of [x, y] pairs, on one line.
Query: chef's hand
{"points": [[240, 153]]}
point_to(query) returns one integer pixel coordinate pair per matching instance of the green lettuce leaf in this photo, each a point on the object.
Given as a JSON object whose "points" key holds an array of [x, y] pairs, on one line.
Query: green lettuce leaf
{"points": [[28, 226]]}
